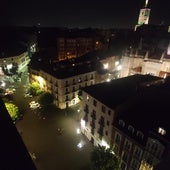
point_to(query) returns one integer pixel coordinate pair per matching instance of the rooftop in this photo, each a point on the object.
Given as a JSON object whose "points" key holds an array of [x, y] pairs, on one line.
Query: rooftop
{"points": [[114, 93]]}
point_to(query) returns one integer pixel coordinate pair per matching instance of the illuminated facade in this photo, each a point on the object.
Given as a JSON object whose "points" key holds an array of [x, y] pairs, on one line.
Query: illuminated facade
{"points": [[65, 90], [69, 48], [98, 121], [136, 154], [105, 123], [145, 62], [21, 60]]}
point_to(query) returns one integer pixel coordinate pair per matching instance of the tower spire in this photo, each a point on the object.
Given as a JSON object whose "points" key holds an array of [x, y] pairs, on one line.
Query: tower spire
{"points": [[143, 15], [146, 3]]}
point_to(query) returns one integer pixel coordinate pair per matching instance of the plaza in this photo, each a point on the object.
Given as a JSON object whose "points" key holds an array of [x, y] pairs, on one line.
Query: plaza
{"points": [[39, 131]]}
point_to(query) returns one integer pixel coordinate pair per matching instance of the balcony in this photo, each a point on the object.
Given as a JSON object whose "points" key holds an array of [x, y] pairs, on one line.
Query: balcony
{"points": [[100, 131], [67, 92], [67, 85], [93, 116], [92, 124], [92, 131], [101, 123], [86, 109], [67, 99]]}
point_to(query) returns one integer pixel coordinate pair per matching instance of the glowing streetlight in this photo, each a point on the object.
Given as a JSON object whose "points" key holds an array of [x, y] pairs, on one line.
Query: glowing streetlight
{"points": [[78, 131], [119, 67], [82, 122]]}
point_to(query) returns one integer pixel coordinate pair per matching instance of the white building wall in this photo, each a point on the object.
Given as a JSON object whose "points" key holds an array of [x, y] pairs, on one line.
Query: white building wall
{"points": [[150, 67], [108, 118], [65, 90]]}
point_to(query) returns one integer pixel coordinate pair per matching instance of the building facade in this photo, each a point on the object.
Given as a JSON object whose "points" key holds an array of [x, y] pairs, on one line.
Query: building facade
{"points": [[106, 122], [65, 79], [73, 47], [145, 62], [20, 60], [65, 90]]}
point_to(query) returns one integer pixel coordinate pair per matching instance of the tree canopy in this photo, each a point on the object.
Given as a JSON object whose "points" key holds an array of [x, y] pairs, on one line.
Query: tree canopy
{"points": [[46, 98], [35, 89], [12, 110], [104, 159]]}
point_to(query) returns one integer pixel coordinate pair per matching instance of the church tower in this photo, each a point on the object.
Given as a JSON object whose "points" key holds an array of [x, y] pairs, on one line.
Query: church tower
{"points": [[143, 15]]}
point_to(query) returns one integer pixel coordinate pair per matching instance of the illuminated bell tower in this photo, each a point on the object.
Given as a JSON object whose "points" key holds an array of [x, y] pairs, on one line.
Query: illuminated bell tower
{"points": [[143, 15]]}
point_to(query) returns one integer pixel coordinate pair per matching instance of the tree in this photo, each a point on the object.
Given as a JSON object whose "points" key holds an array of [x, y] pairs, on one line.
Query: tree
{"points": [[104, 159], [35, 89], [46, 98], [14, 68], [12, 110]]}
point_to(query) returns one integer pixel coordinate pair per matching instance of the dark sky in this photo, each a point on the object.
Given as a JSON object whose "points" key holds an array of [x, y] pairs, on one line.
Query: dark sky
{"points": [[81, 13]]}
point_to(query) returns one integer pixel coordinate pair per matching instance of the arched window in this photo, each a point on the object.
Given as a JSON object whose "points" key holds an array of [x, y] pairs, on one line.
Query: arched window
{"points": [[121, 123], [131, 129], [140, 134], [161, 131]]}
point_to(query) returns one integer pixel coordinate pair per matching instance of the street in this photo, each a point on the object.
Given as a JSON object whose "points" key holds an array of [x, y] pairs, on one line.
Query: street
{"points": [[39, 131]]}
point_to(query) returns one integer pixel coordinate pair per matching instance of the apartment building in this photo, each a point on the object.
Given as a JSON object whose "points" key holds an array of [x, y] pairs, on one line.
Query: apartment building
{"points": [[107, 121], [65, 79], [64, 83], [21, 60], [75, 46]]}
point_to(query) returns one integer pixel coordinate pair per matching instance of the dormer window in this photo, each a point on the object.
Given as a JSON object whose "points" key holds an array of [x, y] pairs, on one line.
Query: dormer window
{"points": [[161, 131], [131, 129], [140, 134], [121, 123]]}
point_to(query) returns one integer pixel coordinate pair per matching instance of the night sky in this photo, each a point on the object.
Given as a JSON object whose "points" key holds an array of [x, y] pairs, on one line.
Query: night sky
{"points": [[82, 13]]}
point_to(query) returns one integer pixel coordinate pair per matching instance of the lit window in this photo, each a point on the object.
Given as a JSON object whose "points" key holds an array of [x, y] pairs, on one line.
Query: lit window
{"points": [[105, 66], [116, 63], [161, 131]]}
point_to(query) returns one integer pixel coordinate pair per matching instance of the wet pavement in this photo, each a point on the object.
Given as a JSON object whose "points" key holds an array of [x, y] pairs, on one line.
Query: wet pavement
{"points": [[53, 150]]}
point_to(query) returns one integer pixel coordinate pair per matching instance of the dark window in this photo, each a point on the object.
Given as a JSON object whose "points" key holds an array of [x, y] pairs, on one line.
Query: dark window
{"points": [[117, 139], [109, 112], [94, 102], [103, 109]]}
